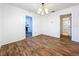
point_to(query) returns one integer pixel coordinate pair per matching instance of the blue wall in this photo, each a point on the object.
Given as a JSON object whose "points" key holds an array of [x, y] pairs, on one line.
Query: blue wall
{"points": [[29, 23]]}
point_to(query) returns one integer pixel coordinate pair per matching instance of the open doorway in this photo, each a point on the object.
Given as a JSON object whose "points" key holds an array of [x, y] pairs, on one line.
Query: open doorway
{"points": [[65, 27], [28, 26]]}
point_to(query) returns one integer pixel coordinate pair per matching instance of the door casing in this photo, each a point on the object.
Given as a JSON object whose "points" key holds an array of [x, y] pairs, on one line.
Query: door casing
{"points": [[61, 18]]}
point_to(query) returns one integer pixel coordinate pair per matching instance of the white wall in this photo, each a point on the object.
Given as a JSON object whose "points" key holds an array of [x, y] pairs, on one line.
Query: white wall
{"points": [[75, 23], [0, 21], [51, 23], [0, 24], [14, 24]]}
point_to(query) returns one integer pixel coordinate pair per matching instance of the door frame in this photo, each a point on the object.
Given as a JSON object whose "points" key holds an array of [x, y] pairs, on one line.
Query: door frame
{"points": [[62, 16], [26, 22]]}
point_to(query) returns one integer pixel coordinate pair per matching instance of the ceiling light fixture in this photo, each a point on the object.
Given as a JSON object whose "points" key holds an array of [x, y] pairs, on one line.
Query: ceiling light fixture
{"points": [[43, 9]]}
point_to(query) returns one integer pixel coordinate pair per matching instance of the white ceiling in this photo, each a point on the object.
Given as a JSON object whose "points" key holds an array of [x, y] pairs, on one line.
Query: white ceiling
{"points": [[33, 7]]}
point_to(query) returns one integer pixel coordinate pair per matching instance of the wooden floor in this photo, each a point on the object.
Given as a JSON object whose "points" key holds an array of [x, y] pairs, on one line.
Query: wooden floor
{"points": [[28, 34], [65, 38], [40, 46]]}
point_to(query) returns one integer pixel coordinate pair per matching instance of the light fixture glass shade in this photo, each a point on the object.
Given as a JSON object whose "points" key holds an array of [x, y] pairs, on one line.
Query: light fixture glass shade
{"points": [[42, 13], [46, 10], [39, 10]]}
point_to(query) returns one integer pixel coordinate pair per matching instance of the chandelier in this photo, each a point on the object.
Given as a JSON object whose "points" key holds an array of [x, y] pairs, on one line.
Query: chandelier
{"points": [[43, 9]]}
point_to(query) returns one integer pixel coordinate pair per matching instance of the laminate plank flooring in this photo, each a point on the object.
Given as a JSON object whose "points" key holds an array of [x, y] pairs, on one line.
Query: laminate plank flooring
{"points": [[41, 45]]}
